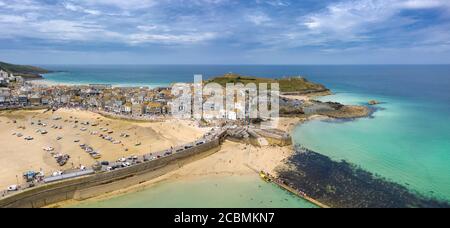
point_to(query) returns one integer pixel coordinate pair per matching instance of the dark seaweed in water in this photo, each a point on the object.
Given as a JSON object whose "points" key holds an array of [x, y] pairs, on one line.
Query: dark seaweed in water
{"points": [[343, 185]]}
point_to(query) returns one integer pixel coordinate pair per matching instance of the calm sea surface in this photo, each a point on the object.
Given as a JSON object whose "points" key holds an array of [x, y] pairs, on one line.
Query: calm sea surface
{"points": [[407, 141]]}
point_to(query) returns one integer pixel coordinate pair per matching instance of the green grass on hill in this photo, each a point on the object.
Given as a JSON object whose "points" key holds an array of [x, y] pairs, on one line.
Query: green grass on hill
{"points": [[287, 85], [23, 70]]}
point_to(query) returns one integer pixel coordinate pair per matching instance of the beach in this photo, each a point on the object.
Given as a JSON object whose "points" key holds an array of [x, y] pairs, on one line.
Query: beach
{"points": [[19, 155]]}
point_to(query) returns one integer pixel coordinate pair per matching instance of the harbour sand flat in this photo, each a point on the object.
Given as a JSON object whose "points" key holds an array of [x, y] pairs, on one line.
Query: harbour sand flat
{"points": [[19, 155]]}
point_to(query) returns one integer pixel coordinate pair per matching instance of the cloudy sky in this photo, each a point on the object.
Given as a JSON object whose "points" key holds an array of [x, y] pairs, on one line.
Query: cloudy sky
{"points": [[225, 31]]}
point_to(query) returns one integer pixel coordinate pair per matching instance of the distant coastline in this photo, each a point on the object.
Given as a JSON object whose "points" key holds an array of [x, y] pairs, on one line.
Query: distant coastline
{"points": [[25, 71], [47, 82]]}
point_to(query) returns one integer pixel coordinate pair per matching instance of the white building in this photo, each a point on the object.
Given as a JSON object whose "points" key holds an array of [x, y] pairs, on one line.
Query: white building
{"points": [[5, 95], [4, 74], [4, 78]]}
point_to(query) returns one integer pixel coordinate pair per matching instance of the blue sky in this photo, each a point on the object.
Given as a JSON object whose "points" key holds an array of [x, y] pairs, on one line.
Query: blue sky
{"points": [[225, 31]]}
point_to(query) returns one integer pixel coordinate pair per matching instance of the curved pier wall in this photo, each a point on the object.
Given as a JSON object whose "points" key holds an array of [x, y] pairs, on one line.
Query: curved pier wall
{"points": [[93, 185]]}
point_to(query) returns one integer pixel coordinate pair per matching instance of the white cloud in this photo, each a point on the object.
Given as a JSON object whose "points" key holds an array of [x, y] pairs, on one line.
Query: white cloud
{"points": [[69, 30], [153, 28], [351, 20], [353, 13], [122, 4], [140, 38], [76, 8], [274, 2], [65, 25], [12, 19], [349, 15], [424, 4], [258, 18], [22, 5], [168, 22]]}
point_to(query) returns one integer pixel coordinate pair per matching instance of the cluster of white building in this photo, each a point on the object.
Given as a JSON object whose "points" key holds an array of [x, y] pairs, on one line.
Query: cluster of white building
{"points": [[6, 78]]}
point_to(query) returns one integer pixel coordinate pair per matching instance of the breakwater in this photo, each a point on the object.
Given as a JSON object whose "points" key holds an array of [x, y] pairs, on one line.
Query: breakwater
{"points": [[292, 189]]}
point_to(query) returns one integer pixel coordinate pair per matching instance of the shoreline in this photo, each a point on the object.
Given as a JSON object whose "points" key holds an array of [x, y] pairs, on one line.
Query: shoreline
{"points": [[47, 82]]}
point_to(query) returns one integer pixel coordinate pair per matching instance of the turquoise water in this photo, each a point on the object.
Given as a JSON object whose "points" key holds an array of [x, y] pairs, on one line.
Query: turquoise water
{"points": [[407, 140], [226, 192]]}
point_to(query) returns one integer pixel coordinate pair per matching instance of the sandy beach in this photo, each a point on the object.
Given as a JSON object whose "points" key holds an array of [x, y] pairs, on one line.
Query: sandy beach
{"points": [[19, 155]]}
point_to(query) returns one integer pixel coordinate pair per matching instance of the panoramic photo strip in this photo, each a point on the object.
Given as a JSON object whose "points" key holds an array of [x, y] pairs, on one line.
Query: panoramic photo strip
{"points": [[258, 107]]}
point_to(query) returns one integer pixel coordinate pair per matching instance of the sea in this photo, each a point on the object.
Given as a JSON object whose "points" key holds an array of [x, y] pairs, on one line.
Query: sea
{"points": [[406, 140]]}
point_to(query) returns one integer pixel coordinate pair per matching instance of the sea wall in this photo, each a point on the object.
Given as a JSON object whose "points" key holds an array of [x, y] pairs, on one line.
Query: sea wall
{"points": [[275, 137], [100, 183], [129, 118], [14, 108]]}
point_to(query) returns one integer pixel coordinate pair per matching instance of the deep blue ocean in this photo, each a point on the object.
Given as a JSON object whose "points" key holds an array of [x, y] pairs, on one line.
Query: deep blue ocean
{"points": [[427, 81], [407, 141]]}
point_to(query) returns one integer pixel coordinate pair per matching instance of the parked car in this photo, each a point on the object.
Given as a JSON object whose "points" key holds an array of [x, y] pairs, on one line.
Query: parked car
{"points": [[200, 143], [13, 188], [105, 163], [168, 153]]}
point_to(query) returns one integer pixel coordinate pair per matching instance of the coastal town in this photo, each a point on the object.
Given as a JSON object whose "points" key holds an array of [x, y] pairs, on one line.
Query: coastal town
{"points": [[133, 101], [76, 142], [53, 111], [89, 130], [259, 104]]}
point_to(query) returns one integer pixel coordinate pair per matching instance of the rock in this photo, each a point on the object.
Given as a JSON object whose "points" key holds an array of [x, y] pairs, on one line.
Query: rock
{"points": [[348, 112], [374, 102]]}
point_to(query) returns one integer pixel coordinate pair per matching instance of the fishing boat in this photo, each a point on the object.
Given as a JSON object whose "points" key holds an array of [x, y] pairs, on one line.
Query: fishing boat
{"points": [[264, 176]]}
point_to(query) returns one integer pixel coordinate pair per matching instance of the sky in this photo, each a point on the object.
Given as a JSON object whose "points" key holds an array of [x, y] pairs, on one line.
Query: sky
{"points": [[225, 31]]}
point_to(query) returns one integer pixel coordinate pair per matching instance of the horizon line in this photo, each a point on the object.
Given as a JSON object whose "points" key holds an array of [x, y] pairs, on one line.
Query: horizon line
{"points": [[237, 64]]}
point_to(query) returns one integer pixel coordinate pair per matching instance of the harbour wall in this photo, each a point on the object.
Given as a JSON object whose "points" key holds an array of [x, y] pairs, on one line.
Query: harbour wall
{"points": [[101, 183], [31, 108], [275, 137]]}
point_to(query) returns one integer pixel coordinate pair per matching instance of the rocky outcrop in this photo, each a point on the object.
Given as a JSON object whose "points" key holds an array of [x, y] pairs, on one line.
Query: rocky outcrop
{"points": [[374, 102], [348, 112]]}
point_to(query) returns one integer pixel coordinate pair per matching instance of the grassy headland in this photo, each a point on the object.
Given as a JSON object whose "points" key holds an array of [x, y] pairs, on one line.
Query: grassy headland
{"points": [[25, 71], [297, 85]]}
